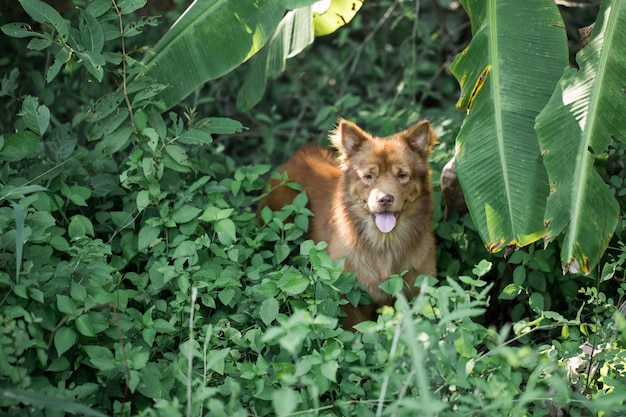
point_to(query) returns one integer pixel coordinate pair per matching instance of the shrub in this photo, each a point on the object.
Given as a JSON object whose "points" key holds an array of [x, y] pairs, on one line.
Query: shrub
{"points": [[137, 281]]}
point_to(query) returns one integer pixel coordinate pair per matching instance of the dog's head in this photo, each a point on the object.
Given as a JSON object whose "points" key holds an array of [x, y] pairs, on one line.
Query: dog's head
{"points": [[385, 178]]}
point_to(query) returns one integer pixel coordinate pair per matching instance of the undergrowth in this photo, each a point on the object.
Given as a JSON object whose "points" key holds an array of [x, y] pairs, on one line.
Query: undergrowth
{"points": [[137, 281]]}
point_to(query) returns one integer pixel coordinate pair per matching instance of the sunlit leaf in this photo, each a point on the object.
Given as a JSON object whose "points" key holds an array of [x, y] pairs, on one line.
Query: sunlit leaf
{"points": [[337, 14]]}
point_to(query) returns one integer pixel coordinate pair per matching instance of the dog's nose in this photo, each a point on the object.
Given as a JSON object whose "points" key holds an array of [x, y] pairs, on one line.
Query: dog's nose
{"points": [[386, 200]]}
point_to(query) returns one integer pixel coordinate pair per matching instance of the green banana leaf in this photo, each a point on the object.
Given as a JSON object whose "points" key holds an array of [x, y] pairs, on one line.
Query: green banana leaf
{"points": [[294, 33], [586, 110], [507, 75], [210, 39], [215, 36]]}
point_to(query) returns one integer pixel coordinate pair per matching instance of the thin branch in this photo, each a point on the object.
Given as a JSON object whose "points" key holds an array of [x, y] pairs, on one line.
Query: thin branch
{"points": [[124, 75]]}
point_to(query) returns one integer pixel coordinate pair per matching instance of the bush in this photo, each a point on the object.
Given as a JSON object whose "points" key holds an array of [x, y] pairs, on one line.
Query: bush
{"points": [[137, 280]]}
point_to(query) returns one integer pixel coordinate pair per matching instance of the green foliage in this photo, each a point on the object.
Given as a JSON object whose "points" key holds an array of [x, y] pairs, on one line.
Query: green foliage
{"points": [[497, 147], [261, 29], [137, 281], [508, 80], [583, 107]]}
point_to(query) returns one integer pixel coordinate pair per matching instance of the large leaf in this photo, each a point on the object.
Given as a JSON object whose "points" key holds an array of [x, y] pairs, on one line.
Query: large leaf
{"points": [[294, 33], [584, 113], [210, 39], [507, 74]]}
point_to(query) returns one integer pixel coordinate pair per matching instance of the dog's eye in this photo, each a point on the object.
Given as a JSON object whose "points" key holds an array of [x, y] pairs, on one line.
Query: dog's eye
{"points": [[402, 175], [368, 177]]}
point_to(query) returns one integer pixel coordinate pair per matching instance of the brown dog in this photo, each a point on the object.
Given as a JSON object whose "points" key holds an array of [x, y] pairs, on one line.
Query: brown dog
{"points": [[372, 205]]}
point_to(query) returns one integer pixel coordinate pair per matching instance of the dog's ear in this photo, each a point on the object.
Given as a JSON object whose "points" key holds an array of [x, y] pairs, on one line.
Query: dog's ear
{"points": [[348, 137], [420, 137]]}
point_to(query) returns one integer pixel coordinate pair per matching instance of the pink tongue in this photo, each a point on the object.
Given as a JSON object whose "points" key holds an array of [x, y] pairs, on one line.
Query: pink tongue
{"points": [[385, 222]]}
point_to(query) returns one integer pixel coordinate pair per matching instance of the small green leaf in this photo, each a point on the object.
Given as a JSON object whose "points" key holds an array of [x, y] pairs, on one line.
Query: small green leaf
{"points": [[185, 214], [536, 302], [79, 195], [65, 304], [39, 44], [64, 339], [226, 295], [269, 310], [94, 63], [104, 106], [552, 315], [149, 335], [108, 125], [83, 325], [143, 200], [61, 142], [147, 236], [147, 93], [129, 6], [329, 370], [59, 243], [226, 231], [301, 200], [78, 292], [80, 226], [537, 281], [61, 57], [510, 292], [179, 161], [196, 137], [186, 249], [293, 286], [393, 285], [464, 345], [213, 213], [482, 268], [301, 222], [100, 357], [215, 360], [223, 126], [519, 275], [99, 7], [46, 14], [36, 117], [150, 381], [282, 252], [20, 30], [285, 401], [20, 145], [472, 282], [8, 83], [91, 34]]}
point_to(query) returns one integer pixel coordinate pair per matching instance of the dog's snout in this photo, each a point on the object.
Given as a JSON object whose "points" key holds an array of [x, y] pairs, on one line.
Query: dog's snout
{"points": [[386, 200]]}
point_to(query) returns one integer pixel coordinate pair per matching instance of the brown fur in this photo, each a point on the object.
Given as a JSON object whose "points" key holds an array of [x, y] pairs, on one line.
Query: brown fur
{"points": [[372, 175]]}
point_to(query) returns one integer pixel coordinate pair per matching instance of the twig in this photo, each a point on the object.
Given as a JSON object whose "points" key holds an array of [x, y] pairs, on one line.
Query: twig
{"points": [[124, 89]]}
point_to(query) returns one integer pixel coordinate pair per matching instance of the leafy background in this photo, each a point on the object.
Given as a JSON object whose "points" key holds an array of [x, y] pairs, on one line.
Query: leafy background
{"points": [[137, 281]]}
